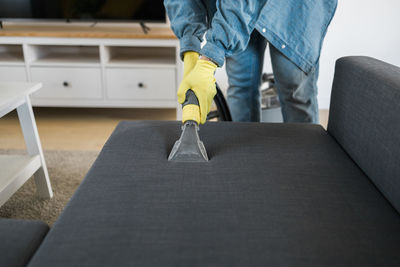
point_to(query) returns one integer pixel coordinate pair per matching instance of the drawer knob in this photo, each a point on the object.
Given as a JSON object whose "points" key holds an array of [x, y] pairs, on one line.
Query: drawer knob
{"points": [[66, 84], [140, 85]]}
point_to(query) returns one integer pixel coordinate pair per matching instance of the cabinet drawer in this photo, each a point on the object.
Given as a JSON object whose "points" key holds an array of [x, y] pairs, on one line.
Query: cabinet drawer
{"points": [[68, 82], [12, 74], [141, 84]]}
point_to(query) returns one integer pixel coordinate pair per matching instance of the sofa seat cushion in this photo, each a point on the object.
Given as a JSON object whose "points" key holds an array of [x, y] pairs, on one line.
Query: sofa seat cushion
{"points": [[19, 239], [271, 195]]}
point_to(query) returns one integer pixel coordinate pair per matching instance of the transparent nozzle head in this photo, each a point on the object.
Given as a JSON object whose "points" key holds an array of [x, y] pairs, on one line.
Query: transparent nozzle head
{"points": [[189, 148]]}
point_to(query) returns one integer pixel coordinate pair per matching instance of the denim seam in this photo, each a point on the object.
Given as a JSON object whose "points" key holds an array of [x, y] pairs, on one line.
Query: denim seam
{"points": [[252, 89], [308, 66]]}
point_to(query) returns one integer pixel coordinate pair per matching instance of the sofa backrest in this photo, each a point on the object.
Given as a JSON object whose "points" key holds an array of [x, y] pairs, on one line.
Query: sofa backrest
{"points": [[364, 118]]}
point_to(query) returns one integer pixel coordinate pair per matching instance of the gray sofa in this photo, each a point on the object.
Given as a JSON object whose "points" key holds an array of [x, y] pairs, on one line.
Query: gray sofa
{"points": [[19, 240], [271, 194]]}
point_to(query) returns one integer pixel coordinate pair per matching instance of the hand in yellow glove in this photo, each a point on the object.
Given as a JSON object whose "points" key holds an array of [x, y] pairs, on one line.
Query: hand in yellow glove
{"points": [[202, 82], [189, 61]]}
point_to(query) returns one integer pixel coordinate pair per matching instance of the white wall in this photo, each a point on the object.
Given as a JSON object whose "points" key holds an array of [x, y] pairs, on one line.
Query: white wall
{"points": [[360, 27]]}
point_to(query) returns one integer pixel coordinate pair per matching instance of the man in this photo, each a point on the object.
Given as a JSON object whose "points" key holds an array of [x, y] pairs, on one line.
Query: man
{"points": [[238, 31]]}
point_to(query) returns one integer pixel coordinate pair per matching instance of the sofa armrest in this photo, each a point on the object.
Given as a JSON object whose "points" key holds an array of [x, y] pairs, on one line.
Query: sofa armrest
{"points": [[365, 119]]}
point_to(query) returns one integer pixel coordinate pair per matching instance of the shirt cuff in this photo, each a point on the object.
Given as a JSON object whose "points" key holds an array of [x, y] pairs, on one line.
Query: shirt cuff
{"points": [[189, 43], [214, 52]]}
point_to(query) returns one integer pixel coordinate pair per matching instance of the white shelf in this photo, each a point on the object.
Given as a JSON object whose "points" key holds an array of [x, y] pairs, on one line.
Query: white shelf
{"points": [[121, 56], [60, 59], [11, 55], [15, 171], [141, 61], [11, 59], [63, 55]]}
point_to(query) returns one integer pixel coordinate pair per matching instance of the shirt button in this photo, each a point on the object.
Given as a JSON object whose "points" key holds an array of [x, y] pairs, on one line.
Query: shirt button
{"points": [[264, 30], [283, 46]]}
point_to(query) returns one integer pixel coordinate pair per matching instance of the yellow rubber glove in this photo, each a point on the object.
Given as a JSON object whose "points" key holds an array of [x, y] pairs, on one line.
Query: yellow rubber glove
{"points": [[189, 61], [190, 112], [201, 80]]}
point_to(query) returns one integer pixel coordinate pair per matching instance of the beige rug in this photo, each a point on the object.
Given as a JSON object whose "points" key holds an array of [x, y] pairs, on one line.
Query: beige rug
{"points": [[66, 170]]}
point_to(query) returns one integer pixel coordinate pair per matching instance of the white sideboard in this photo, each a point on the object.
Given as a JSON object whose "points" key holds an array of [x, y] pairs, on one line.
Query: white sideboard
{"points": [[99, 67]]}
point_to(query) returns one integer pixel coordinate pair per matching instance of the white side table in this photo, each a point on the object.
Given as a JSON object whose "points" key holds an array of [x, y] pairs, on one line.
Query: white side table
{"points": [[15, 170]]}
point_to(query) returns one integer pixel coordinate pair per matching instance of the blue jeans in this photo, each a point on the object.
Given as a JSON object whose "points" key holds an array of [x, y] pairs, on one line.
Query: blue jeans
{"points": [[297, 90]]}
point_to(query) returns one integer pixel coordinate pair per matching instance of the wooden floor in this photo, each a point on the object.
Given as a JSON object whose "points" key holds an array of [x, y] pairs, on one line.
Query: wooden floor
{"points": [[74, 128], [79, 128]]}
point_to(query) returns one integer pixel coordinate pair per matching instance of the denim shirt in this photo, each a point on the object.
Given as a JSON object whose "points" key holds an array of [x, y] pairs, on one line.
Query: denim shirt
{"points": [[295, 27]]}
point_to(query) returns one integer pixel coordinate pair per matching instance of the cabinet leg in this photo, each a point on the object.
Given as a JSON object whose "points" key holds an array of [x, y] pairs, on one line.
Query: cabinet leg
{"points": [[34, 147]]}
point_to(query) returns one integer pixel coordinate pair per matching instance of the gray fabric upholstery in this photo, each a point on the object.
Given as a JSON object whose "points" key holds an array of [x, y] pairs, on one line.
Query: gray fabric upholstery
{"points": [[365, 119], [271, 195], [19, 239]]}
